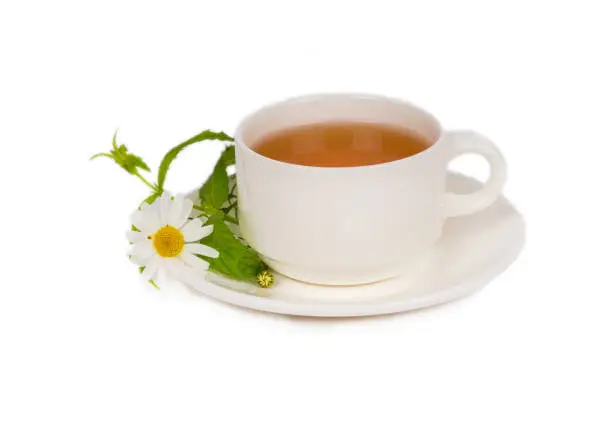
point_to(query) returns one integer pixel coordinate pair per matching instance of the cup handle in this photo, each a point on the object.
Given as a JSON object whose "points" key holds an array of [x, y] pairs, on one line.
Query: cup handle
{"points": [[465, 141]]}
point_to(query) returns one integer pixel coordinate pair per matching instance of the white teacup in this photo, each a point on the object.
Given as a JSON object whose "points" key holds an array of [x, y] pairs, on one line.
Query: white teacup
{"points": [[351, 225]]}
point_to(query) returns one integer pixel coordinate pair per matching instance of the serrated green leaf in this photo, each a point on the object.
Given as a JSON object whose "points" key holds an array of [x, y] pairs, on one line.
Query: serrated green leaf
{"points": [[164, 166], [235, 260], [215, 191]]}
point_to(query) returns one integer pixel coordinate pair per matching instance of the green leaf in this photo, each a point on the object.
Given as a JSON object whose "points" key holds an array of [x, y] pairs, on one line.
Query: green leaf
{"points": [[215, 190], [137, 162], [207, 209], [164, 166], [128, 161], [229, 156], [235, 260], [151, 198], [230, 208]]}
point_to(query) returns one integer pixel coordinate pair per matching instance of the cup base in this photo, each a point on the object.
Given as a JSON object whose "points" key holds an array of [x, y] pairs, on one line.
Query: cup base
{"points": [[342, 277]]}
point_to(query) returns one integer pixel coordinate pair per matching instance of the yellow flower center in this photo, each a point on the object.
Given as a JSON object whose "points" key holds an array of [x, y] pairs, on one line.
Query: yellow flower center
{"points": [[168, 241]]}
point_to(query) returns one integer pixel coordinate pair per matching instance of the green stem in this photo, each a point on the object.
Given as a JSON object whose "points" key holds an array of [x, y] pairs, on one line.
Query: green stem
{"points": [[208, 211], [153, 188], [102, 154], [231, 219]]}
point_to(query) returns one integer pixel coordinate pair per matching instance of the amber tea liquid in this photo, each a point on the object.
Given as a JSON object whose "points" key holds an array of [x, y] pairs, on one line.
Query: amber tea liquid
{"points": [[341, 144]]}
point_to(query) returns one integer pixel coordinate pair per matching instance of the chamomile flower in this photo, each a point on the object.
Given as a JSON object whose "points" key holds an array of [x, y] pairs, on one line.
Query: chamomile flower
{"points": [[168, 240]]}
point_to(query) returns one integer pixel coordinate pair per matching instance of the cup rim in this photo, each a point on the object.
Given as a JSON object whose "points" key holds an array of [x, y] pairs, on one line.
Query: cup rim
{"points": [[238, 139]]}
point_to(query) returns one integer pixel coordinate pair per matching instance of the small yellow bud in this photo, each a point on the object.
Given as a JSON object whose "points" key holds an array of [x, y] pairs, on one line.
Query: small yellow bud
{"points": [[265, 279]]}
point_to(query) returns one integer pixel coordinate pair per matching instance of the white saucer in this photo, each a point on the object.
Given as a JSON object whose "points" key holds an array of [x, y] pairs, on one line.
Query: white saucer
{"points": [[471, 252]]}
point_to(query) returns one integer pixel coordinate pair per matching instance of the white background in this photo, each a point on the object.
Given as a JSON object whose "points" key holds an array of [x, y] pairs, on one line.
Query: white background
{"points": [[84, 341]]}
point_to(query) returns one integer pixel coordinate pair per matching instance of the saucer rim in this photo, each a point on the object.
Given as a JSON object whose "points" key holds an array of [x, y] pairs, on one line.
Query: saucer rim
{"points": [[374, 307]]}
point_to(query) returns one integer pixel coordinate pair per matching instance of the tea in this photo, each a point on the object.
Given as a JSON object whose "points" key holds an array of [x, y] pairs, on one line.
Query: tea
{"points": [[341, 144]]}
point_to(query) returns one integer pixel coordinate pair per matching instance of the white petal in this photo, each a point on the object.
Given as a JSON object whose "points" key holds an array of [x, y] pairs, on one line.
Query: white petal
{"points": [[136, 260], [191, 274], [135, 236], [164, 208], [194, 261], [177, 269], [142, 250], [154, 206], [207, 230], [144, 206], [150, 270], [146, 220], [196, 248], [175, 210], [186, 210], [138, 219], [153, 210], [170, 265], [193, 230]]}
